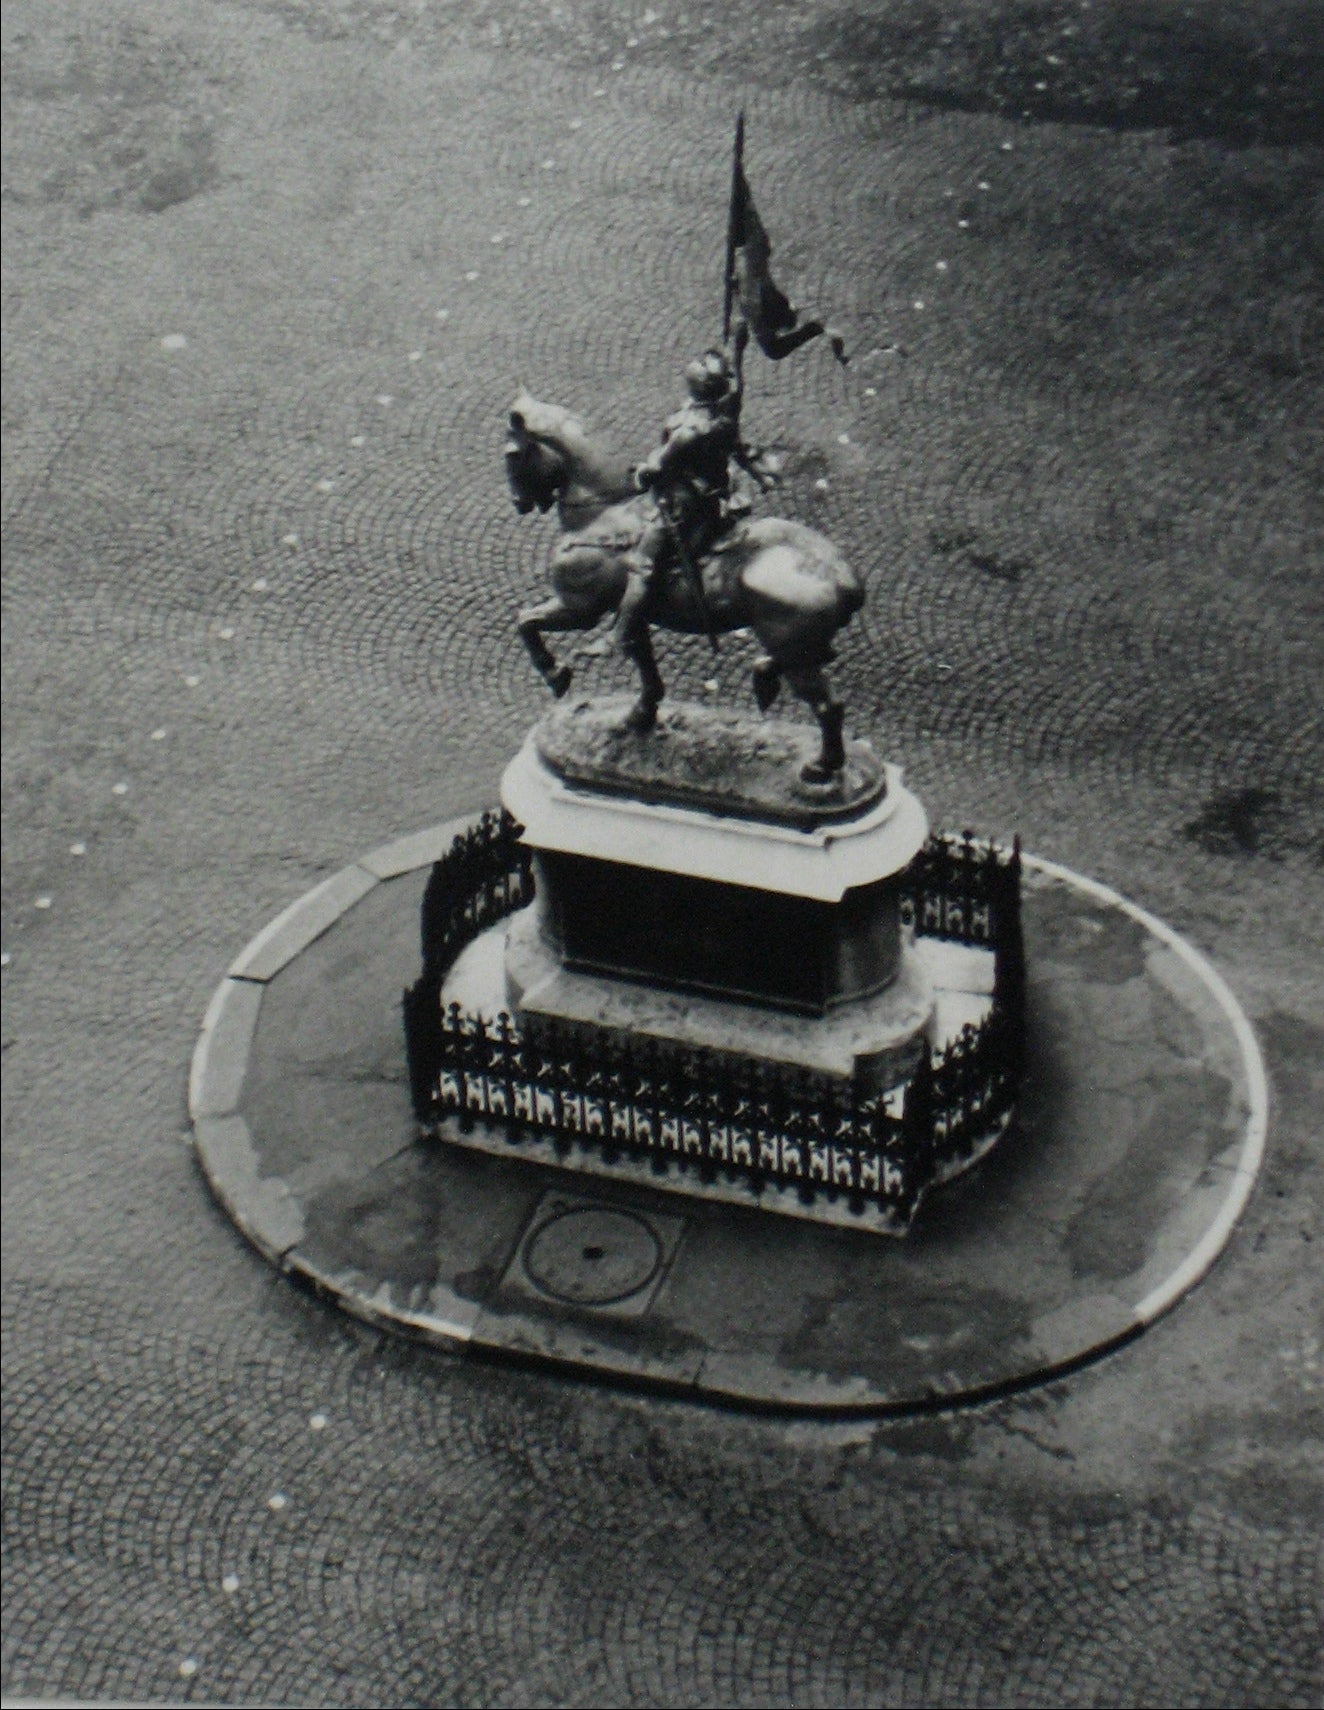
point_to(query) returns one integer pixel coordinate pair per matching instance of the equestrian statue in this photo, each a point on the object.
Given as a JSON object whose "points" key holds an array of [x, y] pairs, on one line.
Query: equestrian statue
{"points": [[671, 541]]}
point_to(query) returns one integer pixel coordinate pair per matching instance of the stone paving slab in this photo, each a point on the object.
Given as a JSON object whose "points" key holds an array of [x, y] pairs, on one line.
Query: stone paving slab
{"points": [[1133, 1151]]}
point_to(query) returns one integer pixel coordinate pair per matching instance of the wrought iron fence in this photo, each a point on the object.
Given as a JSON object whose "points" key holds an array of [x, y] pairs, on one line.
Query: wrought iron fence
{"points": [[713, 1113]]}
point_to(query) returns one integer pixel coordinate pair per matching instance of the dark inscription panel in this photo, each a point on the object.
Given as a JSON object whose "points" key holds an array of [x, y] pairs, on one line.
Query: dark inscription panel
{"points": [[731, 940]]}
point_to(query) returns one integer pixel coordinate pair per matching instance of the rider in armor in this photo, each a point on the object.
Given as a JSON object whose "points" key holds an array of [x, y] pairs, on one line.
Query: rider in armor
{"points": [[689, 475]]}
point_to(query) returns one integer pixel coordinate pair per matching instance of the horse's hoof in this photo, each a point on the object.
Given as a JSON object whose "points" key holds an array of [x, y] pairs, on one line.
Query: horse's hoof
{"points": [[641, 717], [813, 773], [560, 680]]}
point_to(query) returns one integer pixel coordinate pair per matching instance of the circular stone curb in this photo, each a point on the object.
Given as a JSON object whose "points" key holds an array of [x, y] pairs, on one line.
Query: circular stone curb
{"points": [[488, 1303]]}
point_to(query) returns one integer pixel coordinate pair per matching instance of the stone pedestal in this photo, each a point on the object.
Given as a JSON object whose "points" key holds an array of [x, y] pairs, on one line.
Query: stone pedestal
{"points": [[690, 889]]}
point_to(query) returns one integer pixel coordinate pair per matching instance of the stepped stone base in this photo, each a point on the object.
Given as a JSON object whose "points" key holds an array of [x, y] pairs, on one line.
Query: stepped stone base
{"points": [[690, 890], [875, 1041], [638, 883]]}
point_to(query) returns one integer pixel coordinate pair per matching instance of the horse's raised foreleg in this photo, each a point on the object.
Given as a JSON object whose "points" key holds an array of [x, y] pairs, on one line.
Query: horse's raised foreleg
{"points": [[812, 688], [639, 648], [554, 614]]}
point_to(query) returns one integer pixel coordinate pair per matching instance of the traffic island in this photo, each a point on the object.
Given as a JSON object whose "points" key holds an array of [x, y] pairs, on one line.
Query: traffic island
{"points": [[1133, 1145]]}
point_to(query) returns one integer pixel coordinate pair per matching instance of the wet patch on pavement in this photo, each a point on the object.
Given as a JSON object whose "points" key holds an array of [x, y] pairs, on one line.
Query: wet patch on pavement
{"points": [[137, 116], [1241, 822]]}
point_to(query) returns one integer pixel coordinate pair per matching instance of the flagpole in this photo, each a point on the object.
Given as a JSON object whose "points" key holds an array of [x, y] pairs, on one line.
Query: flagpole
{"points": [[732, 221]]}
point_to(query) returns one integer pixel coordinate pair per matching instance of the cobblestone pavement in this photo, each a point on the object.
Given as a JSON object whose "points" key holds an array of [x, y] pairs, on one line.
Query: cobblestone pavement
{"points": [[271, 274]]}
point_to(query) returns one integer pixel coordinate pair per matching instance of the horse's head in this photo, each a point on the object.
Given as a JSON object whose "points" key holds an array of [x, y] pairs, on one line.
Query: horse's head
{"points": [[537, 455], [550, 460]]}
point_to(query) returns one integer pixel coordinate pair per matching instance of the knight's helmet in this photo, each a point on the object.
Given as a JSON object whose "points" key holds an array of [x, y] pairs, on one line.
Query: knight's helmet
{"points": [[710, 377]]}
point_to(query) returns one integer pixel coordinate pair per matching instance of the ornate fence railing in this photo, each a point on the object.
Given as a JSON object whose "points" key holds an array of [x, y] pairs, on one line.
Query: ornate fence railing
{"points": [[715, 1113]]}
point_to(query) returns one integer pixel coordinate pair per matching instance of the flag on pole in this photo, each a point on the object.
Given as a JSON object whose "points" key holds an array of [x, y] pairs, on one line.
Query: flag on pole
{"points": [[774, 323]]}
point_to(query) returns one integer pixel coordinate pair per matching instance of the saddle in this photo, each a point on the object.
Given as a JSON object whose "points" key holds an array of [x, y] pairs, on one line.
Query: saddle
{"points": [[604, 539], [713, 534]]}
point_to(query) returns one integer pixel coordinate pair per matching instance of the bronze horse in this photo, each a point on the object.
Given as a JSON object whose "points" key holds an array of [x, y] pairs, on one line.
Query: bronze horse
{"points": [[785, 582]]}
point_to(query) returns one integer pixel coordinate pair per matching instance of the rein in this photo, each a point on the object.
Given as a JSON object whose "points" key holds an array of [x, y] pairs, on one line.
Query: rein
{"points": [[562, 474], [590, 503], [585, 504]]}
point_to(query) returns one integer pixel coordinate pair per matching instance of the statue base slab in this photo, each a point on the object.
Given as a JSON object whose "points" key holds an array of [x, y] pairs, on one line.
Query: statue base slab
{"points": [[716, 759]]}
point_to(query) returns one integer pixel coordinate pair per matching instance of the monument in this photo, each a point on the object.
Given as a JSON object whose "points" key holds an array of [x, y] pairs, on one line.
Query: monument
{"points": [[706, 1008], [705, 944]]}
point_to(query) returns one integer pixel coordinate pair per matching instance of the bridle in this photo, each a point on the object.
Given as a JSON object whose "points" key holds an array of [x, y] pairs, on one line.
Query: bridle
{"points": [[549, 488], [590, 502]]}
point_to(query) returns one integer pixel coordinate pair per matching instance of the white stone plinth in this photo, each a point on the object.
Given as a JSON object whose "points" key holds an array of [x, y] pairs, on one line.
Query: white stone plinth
{"points": [[873, 1042], [822, 863]]}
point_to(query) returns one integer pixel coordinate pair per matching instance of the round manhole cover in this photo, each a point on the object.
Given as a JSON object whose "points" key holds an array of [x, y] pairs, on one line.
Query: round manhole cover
{"points": [[591, 1255]]}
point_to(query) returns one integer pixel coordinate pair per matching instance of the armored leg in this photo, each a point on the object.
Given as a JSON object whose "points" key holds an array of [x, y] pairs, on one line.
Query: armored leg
{"points": [[632, 613]]}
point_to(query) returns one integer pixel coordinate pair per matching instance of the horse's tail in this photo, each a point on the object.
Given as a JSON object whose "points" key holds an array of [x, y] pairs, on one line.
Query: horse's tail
{"points": [[851, 591]]}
